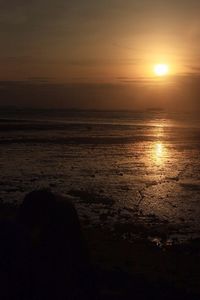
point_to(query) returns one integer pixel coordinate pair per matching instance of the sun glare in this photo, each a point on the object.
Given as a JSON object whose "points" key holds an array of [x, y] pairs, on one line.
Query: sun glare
{"points": [[159, 153], [161, 69]]}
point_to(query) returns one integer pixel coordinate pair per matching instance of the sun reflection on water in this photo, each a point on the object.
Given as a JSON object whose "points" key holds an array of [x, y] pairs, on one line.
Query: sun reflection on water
{"points": [[159, 153], [159, 150]]}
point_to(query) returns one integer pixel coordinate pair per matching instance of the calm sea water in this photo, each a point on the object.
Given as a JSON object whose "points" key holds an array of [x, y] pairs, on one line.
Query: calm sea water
{"points": [[135, 171]]}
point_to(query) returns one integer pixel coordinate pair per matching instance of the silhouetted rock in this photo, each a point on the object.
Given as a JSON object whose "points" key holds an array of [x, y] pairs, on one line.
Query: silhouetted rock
{"points": [[60, 262], [14, 262]]}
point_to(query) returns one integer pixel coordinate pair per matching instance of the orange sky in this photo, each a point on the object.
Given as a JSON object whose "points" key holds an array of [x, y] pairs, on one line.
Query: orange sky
{"points": [[110, 45]]}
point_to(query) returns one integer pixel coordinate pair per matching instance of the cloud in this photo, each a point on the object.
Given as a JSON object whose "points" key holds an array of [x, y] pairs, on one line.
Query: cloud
{"points": [[40, 79]]}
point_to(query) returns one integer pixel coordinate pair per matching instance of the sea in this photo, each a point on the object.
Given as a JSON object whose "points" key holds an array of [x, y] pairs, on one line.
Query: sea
{"points": [[135, 173]]}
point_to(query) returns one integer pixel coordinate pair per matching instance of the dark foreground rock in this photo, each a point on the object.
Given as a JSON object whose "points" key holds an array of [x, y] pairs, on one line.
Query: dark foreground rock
{"points": [[137, 269]]}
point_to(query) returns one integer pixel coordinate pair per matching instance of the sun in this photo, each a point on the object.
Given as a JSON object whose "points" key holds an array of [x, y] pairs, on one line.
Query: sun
{"points": [[161, 69]]}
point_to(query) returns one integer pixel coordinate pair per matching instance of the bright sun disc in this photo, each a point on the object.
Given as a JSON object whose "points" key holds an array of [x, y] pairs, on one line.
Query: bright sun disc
{"points": [[161, 69]]}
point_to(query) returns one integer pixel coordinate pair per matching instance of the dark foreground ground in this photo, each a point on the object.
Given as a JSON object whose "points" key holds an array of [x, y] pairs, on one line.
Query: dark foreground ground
{"points": [[138, 269]]}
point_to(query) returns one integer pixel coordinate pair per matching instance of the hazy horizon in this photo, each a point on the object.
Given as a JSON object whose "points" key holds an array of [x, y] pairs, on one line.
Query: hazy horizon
{"points": [[99, 55]]}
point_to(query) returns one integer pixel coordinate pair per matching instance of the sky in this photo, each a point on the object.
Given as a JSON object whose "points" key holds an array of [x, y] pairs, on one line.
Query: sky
{"points": [[99, 54]]}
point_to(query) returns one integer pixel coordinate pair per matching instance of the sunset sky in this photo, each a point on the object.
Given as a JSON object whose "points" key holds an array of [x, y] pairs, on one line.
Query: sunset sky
{"points": [[99, 54]]}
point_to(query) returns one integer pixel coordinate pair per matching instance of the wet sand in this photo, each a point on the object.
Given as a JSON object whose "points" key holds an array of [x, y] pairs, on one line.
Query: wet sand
{"points": [[135, 173]]}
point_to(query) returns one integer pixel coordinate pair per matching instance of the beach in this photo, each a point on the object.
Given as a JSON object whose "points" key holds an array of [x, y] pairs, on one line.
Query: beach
{"points": [[133, 178], [137, 171]]}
